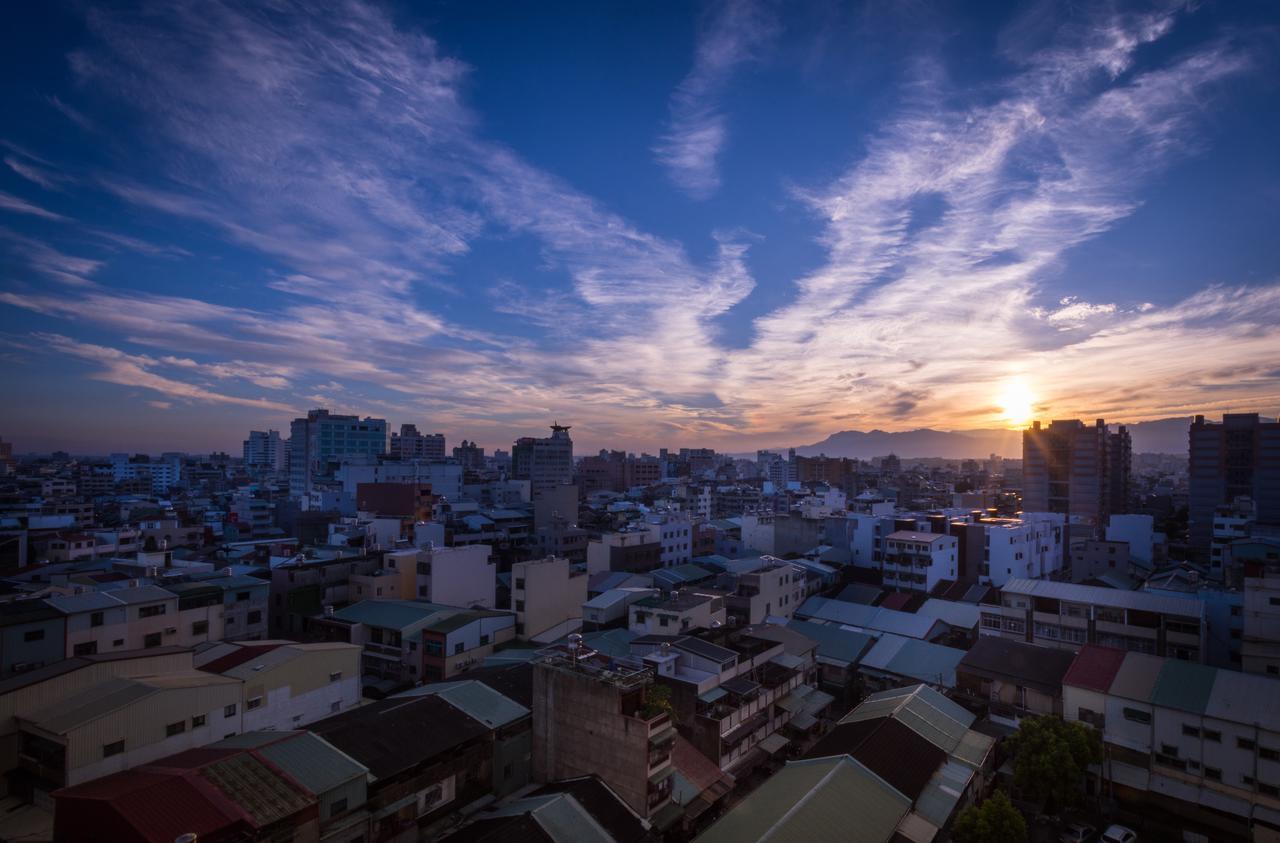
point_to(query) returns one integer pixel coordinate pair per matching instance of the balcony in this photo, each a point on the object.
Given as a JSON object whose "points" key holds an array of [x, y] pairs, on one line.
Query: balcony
{"points": [[383, 650]]}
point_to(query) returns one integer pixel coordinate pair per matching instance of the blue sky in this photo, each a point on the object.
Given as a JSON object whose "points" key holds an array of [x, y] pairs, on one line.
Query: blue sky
{"points": [[731, 224]]}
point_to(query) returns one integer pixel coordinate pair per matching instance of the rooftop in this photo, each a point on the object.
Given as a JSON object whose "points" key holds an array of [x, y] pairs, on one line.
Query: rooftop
{"points": [[1099, 596], [915, 536], [1026, 664]]}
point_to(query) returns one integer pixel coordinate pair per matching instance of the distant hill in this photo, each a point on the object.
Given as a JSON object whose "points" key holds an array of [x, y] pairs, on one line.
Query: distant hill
{"points": [[1164, 436]]}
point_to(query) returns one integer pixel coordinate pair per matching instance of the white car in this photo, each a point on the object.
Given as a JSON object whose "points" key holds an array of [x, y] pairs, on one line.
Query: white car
{"points": [[1077, 833], [1119, 834]]}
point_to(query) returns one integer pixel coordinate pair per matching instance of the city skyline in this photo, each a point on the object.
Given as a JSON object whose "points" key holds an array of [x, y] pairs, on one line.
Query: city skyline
{"points": [[727, 227]]}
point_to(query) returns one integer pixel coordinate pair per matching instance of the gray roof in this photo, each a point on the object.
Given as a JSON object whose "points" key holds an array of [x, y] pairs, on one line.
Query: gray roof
{"points": [[478, 700], [89, 601], [937, 719], [867, 617], [1096, 595], [965, 615], [919, 660], [844, 646], [142, 594], [916, 536], [816, 799], [114, 694], [315, 763]]}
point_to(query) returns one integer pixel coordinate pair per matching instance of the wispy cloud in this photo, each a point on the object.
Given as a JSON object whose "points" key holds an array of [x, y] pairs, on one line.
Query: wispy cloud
{"points": [[735, 33], [9, 202]]}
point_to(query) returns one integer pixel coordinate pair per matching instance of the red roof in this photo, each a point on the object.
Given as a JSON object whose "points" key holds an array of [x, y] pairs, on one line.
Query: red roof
{"points": [[1095, 667], [246, 653], [143, 805], [694, 766], [896, 600]]}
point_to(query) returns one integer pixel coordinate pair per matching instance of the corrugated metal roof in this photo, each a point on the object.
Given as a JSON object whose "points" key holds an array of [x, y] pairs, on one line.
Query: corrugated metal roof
{"points": [[610, 642], [142, 594], [1184, 686], [476, 699], [938, 799], [1245, 698], [964, 615], [815, 800], [839, 645], [389, 614], [867, 617], [313, 762], [91, 601], [1096, 595], [114, 694], [1136, 677], [1094, 667], [927, 712]]}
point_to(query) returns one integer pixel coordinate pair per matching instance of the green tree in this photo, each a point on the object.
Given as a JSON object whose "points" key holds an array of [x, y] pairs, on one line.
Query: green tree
{"points": [[1050, 758], [994, 821]]}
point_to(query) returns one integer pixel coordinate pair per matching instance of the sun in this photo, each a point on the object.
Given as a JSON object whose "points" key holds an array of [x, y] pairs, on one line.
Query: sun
{"points": [[1017, 403]]}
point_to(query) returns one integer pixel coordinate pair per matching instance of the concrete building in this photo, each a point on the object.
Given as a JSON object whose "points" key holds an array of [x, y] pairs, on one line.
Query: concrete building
{"points": [[318, 442], [409, 444], [1260, 644], [544, 462], [264, 450], [286, 685], [547, 597], [631, 550], [457, 576], [1239, 457], [1077, 470], [591, 715], [1198, 743], [407, 641], [678, 612], [32, 635], [1067, 615], [301, 589], [917, 561]]}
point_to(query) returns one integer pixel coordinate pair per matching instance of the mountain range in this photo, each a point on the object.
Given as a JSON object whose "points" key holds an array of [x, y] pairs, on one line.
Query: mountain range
{"points": [[1163, 436]]}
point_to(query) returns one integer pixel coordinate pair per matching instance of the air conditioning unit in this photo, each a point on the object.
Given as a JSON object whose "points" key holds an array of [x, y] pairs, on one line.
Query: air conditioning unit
{"points": [[170, 630]]}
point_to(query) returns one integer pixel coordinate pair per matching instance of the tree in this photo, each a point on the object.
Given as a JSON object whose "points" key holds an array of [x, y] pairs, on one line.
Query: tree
{"points": [[1050, 759], [994, 821]]}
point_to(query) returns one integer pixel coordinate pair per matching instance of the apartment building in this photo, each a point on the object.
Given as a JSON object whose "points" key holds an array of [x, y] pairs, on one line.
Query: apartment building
{"points": [[303, 588], [1197, 742], [1260, 638], [773, 587], [1068, 615], [544, 462], [592, 715], [917, 561], [457, 576], [547, 597], [318, 442], [409, 444], [1075, 469], [1237, 458]]}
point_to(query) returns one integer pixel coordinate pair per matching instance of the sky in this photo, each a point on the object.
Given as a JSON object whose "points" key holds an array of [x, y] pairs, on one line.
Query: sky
{"points": [[729, 225]]}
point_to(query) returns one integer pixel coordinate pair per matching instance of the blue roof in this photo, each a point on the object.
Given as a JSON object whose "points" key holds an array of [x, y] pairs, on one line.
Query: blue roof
{"points": [[867, 617], [679, 574], [391, 614], [841, 645], [476, 699], [919, 660]]}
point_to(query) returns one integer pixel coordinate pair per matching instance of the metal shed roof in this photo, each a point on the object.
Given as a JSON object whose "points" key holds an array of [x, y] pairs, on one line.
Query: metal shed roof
{"points": [[1096, 595]]}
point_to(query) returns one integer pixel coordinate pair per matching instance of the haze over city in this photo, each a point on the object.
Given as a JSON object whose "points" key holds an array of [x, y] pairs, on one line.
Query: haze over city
{"points": [[738, 225]]}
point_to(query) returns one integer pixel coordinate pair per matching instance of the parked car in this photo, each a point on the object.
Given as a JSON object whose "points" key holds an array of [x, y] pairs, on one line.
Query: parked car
{"points": [[1078, 833], [1119, 834]]}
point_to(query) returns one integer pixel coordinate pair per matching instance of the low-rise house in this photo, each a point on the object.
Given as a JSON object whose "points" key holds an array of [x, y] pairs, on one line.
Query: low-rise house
{"points": [[612, 608], [257, 786], [1199, 743], [839, 652], [1013, 678], [901, 766], [285, 684], [31, 635], [124, 722], [680, 611], [895, 660], [407, 641], [1067, 615]]}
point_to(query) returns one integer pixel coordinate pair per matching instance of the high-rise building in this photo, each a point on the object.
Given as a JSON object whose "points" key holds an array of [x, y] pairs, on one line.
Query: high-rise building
{"points": [[409, 444], [470, 456], [1239, 457], [544, 462], [265, 450], [318, 442], [1077, 470]]}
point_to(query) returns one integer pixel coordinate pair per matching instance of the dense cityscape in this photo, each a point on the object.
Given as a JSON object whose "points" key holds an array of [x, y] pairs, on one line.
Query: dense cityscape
{"points": [[375, 636], [599, 422]]}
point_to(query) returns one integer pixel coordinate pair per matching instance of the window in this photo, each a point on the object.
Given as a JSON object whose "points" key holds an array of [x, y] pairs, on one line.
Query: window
{"points": [[33, 635], [1190, 731], [229, 621], [520, 583], [335, 706], [242, 596], [175, 728], [95, 619], [255, 616], [1269, 754], [1137, 715], [335, 676], [197, 721], [1268, 789], [1167, 749], [119, 642], [1246, 743], [519, 605], [253, 703], [457, 648], [1213, 774], [200, 628], [1274, 670], [152, 640], [337, 806], [1247, 781], [484, 639], [88, 648], [110, 749], [151, 611], [664, 620], [229, 710], [1213, 735]]}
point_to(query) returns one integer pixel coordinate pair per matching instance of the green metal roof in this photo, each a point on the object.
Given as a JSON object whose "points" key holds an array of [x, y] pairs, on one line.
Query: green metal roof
{"points": [[476, 699], [390, 614], [841, 645], [821, 799], [1185, 686]]}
